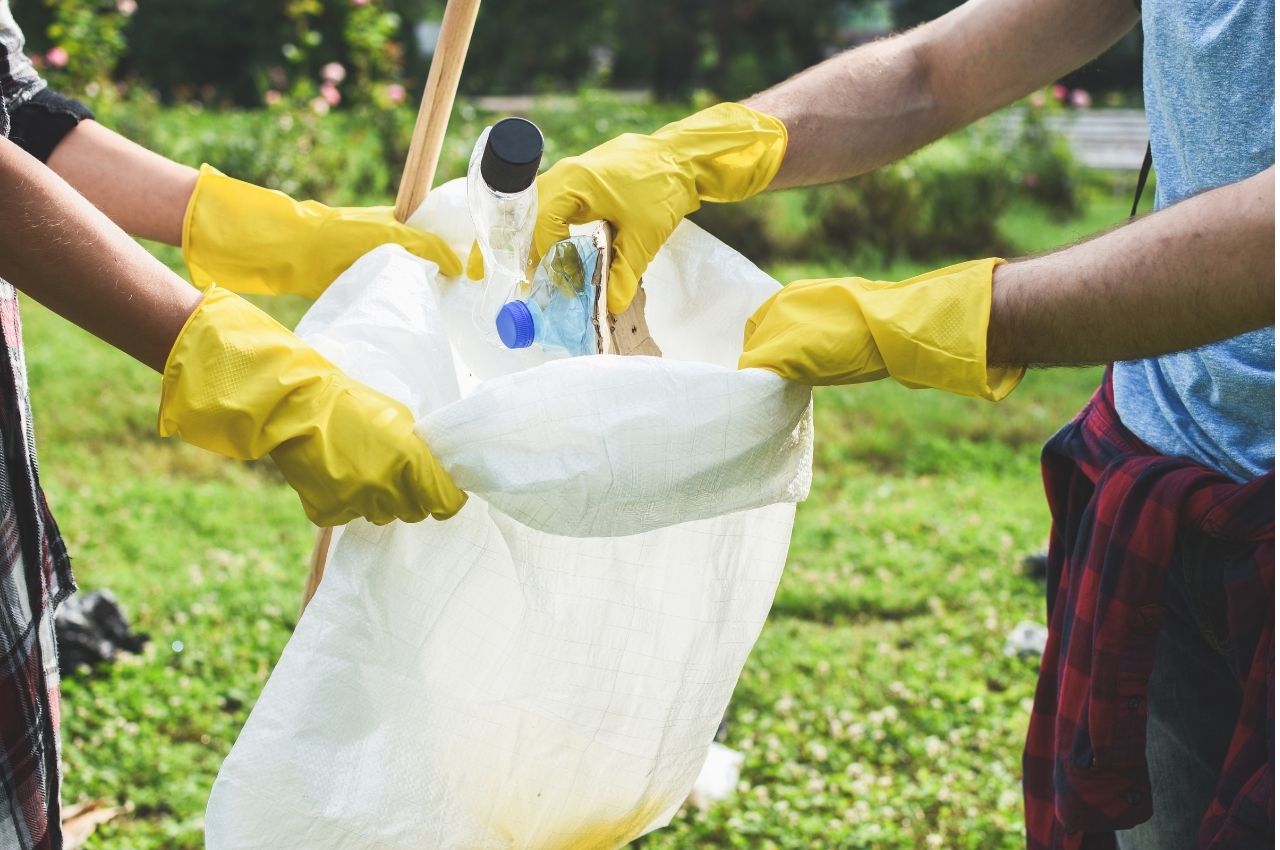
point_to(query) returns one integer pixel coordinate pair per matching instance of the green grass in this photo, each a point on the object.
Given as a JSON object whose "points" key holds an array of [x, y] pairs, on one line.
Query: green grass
{"points": [[877, 710]]}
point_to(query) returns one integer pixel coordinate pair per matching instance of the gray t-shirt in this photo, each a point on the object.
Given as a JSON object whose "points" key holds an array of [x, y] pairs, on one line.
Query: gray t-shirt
{"points": [[19, 81], [1209, 84]]}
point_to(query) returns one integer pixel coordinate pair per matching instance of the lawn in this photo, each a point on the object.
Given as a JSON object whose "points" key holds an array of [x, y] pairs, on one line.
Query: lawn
{"points": [[877, 710]]}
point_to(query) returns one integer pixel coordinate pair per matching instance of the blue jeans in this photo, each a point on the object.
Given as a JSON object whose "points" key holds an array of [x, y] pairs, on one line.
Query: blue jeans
{"points": [[1193, 702]]}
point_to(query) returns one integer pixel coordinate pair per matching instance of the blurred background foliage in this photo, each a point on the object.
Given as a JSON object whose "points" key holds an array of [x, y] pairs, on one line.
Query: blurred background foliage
{"points": [[317, 98], [236, 53]]}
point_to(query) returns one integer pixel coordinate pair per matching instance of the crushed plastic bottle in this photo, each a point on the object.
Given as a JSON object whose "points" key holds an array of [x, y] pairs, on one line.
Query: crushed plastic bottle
{"points": [[556, 314], [503, 202]]}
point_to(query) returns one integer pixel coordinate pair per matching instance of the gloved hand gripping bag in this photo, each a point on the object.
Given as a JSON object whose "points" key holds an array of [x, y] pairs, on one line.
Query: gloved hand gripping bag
{"points": [[548, 668]]}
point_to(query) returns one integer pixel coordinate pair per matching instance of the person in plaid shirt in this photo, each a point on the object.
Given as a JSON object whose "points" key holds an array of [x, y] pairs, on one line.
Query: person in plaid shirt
{"points": [[233, 381], [1153, 717]]}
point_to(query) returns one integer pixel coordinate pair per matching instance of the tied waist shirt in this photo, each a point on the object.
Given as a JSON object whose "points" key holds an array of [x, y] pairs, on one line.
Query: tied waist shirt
{"points": [[1118, 508]]}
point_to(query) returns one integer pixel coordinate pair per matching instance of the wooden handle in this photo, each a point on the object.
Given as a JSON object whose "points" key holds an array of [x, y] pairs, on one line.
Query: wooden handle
{"points": [[419, 170], [437, 102], [319, 557]]}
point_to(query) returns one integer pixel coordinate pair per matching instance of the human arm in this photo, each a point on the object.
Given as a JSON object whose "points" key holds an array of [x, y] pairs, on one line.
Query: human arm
{"points": [[1199, 271], [144, 193], [234, 381], [1193, 273], [56, 247], [879, 102], [241, 236], [854, 112]]}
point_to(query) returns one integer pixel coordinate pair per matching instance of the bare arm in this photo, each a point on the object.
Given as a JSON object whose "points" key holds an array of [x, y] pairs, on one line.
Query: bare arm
{"points": [[877, 103], [62, 251], [1199, 271], [142, 192]]}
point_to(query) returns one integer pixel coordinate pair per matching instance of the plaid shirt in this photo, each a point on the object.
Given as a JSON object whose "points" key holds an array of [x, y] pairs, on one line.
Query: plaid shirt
{"points": [[1117, 509], [35, 575]]}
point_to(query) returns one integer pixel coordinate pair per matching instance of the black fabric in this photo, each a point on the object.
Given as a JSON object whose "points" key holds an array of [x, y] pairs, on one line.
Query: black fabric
{"points": [[92, 629], [1142, 181], [19, 81], [38, 125]]}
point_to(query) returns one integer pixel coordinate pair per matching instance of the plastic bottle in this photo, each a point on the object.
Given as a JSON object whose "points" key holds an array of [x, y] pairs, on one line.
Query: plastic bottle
{"points": [[556, 314], [504, 207]]}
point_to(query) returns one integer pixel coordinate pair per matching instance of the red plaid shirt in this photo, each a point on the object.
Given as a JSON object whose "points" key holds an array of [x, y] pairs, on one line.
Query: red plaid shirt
{"points": [[35, 575], [1117, 509]]}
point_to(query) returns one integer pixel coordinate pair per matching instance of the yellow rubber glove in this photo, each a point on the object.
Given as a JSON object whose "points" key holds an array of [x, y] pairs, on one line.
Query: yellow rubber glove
{"points": [[239, 384], [644, 185], [255, 240], [927, 331]]}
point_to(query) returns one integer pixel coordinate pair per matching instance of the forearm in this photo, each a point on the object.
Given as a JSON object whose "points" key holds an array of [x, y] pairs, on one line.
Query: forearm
{"points": [[62, 251], [144, 193], [1197, 272], [877, 103]]}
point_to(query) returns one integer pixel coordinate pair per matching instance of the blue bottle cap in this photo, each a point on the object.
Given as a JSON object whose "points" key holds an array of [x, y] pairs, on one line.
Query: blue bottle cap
{"points": [[515, 325]]}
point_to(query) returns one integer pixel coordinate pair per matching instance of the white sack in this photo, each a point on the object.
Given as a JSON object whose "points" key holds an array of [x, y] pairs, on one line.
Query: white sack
{"points": [[521, 676]]}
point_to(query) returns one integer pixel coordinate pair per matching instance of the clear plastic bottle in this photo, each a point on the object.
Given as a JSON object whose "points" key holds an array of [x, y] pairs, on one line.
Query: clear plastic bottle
{"points": [[503, 200], [556, 314]]}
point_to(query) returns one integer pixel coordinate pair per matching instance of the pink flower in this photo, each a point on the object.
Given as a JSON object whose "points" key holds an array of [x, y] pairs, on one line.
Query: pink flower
{"points": [[272, 97], [1080, 99], [1037, 100], [126, 7], [333, 73], [57, 57], [319, 106], [359, 2], [395, 93], [1059, 92], [329, 92]]}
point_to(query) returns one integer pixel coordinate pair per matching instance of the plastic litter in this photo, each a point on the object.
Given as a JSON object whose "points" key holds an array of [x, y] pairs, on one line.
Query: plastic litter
{"points": [[1027, 640], [91, 629], [557, 312], [503, 204], [718, 778], [548, 668]]}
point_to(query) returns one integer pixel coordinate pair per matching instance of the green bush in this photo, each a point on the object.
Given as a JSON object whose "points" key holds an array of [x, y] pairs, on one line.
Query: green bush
{"points": [[942, 201], [340, 157], [1049, 173]]}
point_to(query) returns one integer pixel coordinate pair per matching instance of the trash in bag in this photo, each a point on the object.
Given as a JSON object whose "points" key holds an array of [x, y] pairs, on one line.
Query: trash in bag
{"points": [[548, 668], [91, 629]]}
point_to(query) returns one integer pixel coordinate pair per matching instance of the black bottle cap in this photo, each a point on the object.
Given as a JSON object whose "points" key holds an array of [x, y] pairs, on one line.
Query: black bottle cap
{"points": [[511, 155]]}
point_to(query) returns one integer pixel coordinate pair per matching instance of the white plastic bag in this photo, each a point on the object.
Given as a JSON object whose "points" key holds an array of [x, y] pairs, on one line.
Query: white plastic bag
{"points": [[521, 676]]}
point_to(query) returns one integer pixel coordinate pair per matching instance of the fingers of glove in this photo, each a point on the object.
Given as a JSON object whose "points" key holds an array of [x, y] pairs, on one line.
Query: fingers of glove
{"points": [[358, 455], [475, 262], [631, 258], [561, 202], [420, 489], [431, 247], [441, 497], [812, 332], [550, 229]]}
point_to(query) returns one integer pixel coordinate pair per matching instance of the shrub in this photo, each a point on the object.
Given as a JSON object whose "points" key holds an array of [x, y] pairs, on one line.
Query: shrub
{"points": [[940, 202], [338, 158]]}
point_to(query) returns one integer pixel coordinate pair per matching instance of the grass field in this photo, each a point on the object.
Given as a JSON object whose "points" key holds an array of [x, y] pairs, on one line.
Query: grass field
{"points": [[877, 709]]}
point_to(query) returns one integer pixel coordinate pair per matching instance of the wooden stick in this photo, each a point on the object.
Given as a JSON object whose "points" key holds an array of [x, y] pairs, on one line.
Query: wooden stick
{"points": [[319, 557], [437, 103], [419, 170]]}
